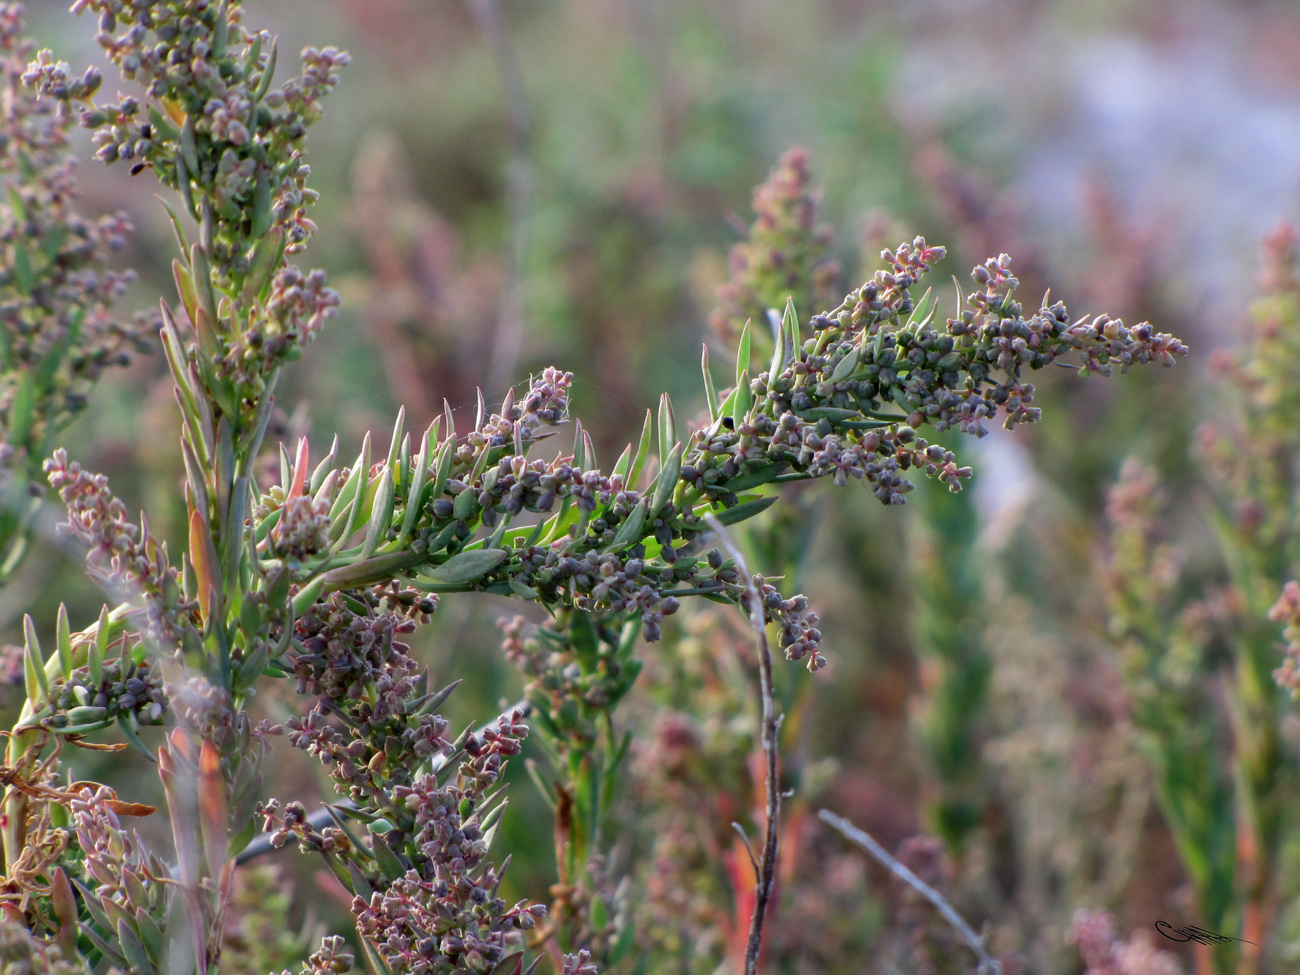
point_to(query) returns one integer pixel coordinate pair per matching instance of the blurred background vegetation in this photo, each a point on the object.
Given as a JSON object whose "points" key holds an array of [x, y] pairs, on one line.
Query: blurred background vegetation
{"points": [[508, 186]]}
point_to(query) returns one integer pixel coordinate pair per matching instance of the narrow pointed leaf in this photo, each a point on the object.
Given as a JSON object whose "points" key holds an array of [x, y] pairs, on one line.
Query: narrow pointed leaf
{"points": [[466, 566], [742, 353], [399, 427], [212, 808], [38, 684], [642, 452], [667, 480], [64, 642], [710, 392], [741, 512], [381, 514], [667, 426]]}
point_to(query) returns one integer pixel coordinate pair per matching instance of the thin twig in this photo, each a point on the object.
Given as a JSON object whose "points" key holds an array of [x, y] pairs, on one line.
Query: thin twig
{"points": [[770, 724], [509, 338], [988, 965]]}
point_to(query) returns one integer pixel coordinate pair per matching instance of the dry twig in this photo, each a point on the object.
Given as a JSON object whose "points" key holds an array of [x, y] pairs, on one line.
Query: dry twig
{"points": [[988, 965]]}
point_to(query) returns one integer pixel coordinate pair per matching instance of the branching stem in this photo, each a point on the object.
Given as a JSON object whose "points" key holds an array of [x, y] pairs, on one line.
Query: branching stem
{"points": [[769, 726]]}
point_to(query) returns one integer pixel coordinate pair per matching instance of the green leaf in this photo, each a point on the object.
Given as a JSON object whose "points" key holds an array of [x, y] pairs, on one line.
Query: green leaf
{"points": [[667, 480], [710, 393], [629, 533], [353, 493], [667, 426], [511, 964], [150, 934], [442, 460], [306, 596], [626, 938], [464, 506], [251, 667], [260, 222], [22, 410], [623, 465], [924, 309], [399, 427], [264, 82], [844, 368], [744, 400], [466, 566], [129, 732], [381, 514], [38, 684], [189, 148], [107, 950], [742, 354], [95, 653], [414, 494], [24, 279], [522, 589], [64, 637], [233, 542], [19, 207], [742, 512], [265, 261], [831, 413], [756, 477], [642, 453], [599, 914], [437, 699], [587, 451], [389, 862]]}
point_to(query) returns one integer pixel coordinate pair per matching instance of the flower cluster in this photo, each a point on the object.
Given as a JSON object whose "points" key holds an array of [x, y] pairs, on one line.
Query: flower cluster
{"points": [[124, 887], [302, 530], [21, 952], [1287, 610], [205, 711], [427, 898], [122, 556], [56, 288], [786, 255], [84, 703], [848, 401], [237, 141], [578, 569], [296, 308], [444, 914], [570, 686], [341, 649], [1249, 449], [414, 605], [1105, 954], [331, 958]]}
